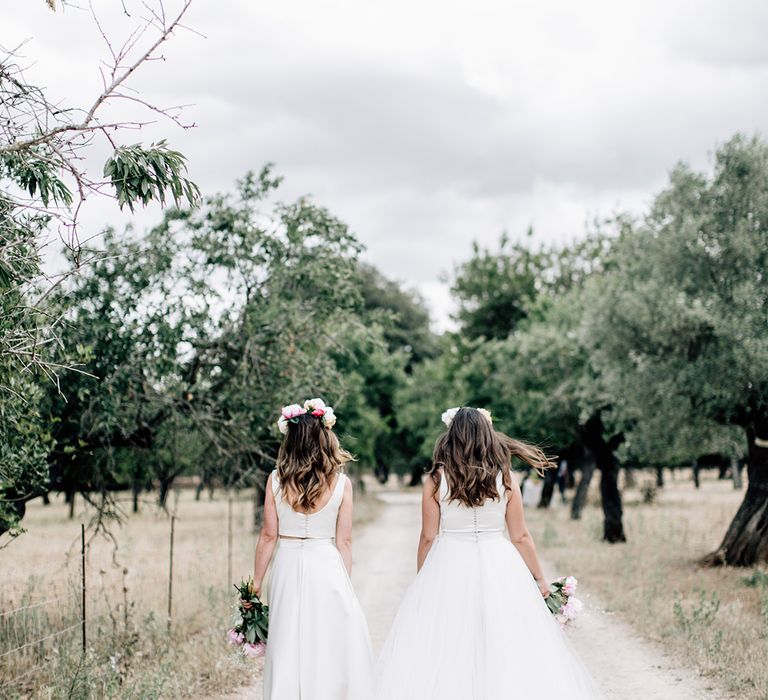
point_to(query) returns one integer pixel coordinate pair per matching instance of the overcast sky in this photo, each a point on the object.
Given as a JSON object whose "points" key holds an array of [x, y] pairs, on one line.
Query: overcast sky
{"points": [[426, 125]]}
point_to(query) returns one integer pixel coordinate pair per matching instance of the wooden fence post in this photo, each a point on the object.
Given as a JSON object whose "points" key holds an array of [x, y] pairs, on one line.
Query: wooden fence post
{"points": [[82, 565], [170, 574], [229, 541]]}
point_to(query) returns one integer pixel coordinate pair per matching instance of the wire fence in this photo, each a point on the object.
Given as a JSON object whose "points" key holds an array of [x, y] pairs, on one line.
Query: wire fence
{"points": [[33, 632]]}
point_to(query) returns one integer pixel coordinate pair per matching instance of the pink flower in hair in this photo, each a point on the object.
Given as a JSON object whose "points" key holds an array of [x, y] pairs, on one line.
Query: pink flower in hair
{"points": [[293, 411]]}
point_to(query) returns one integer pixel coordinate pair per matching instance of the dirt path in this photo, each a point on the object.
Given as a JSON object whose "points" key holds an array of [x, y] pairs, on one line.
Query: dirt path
{"points": [[624, 665]]}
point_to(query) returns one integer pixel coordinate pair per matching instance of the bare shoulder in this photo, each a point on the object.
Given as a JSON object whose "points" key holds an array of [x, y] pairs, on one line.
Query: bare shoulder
{"points": [[431, 484]]}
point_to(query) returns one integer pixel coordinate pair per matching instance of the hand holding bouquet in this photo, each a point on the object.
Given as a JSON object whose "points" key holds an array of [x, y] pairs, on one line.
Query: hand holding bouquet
{"points": [[561, 601], [251, 622]]}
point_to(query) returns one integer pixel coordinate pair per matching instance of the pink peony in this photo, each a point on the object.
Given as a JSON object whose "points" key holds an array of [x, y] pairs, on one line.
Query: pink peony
{"points": [[254, 651], [569, 586], [293, 411], [572, 608], [318, 412], [235, 638]]}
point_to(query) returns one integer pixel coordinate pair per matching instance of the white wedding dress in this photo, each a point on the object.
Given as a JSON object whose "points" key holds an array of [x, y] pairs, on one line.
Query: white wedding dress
{"points": [[473, 624], [318, 646]]}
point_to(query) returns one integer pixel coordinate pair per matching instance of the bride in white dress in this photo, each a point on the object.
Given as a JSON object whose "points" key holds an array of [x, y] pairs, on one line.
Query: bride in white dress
{"points": [[474, 625], [318, 646]]}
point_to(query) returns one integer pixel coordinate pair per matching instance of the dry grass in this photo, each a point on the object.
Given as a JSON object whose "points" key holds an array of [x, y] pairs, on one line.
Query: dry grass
{"points": [[710, 619], [130, 654]]}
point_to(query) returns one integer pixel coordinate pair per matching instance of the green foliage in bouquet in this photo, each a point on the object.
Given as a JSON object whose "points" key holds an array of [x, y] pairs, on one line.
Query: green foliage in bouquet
{"points": [[253, 615]]}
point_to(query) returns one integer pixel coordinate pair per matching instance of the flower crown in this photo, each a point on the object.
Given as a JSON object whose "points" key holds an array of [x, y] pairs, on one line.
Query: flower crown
{"points": [[316, 407], [450, 414]]}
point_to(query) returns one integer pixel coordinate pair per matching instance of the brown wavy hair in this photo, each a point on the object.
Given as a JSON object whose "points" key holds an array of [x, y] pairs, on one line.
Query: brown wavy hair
{"points": [[471, 454], [309, 456]]}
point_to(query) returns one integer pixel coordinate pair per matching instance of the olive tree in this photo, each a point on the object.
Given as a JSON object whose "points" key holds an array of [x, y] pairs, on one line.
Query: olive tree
{"points": [[680, 325]]}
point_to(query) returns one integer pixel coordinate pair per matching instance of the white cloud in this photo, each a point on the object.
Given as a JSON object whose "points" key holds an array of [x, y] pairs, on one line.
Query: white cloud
{"points": [[429, 124]]}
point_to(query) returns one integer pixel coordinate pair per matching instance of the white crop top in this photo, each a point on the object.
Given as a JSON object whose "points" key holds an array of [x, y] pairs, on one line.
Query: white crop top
{"points": [[457, 517], [318, 525]]}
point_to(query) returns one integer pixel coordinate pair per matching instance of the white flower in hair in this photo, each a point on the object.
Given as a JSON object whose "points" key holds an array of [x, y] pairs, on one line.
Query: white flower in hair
{"points": [[329, 417], [449, 415], [282, 424]]}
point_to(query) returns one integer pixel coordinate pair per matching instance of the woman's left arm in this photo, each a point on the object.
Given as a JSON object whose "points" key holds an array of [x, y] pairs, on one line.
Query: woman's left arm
{"points": [[344, 526]]}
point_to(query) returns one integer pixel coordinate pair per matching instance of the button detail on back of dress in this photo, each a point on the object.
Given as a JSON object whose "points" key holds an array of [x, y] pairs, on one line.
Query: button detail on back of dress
{"points": [[455, 517]]}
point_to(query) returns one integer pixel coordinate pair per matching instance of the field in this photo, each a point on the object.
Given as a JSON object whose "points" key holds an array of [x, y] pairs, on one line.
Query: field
{"points": [[129, 652], [715, 620], [127, 601]]}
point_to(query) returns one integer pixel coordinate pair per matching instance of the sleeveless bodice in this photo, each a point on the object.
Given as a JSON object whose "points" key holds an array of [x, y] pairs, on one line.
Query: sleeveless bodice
{"points": [[455, 517], [318, 525]]}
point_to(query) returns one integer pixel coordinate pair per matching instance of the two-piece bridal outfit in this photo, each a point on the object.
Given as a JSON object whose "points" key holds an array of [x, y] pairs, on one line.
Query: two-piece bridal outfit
{"points": [[318, 647]]}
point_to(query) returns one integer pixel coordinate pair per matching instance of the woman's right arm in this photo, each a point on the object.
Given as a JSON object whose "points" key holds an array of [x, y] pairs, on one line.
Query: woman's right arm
{"points": [[521, 537], [267, 538], [430, 520]]}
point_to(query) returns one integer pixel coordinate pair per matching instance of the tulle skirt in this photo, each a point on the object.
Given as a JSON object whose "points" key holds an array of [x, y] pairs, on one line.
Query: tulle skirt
{"points": [[473, 626], [318, 647]]}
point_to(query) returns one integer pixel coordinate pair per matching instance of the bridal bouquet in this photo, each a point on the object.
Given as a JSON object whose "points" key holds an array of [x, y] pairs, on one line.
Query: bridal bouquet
{"points": [[251, 622], [561, 601]]}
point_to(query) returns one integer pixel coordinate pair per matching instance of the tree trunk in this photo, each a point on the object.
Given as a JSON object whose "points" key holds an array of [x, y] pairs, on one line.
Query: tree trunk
{"points": [[736, 472], [165, 487], [136, 492], [613, 528], [580, 497], [660, 477], [746, 541], [417, 471], [69, 497], [695, 469], [605, 461], [46, 499], [550, 480]]}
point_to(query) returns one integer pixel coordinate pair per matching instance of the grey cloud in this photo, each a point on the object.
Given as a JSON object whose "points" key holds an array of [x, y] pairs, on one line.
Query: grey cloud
{"points": [[418, 158]]}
